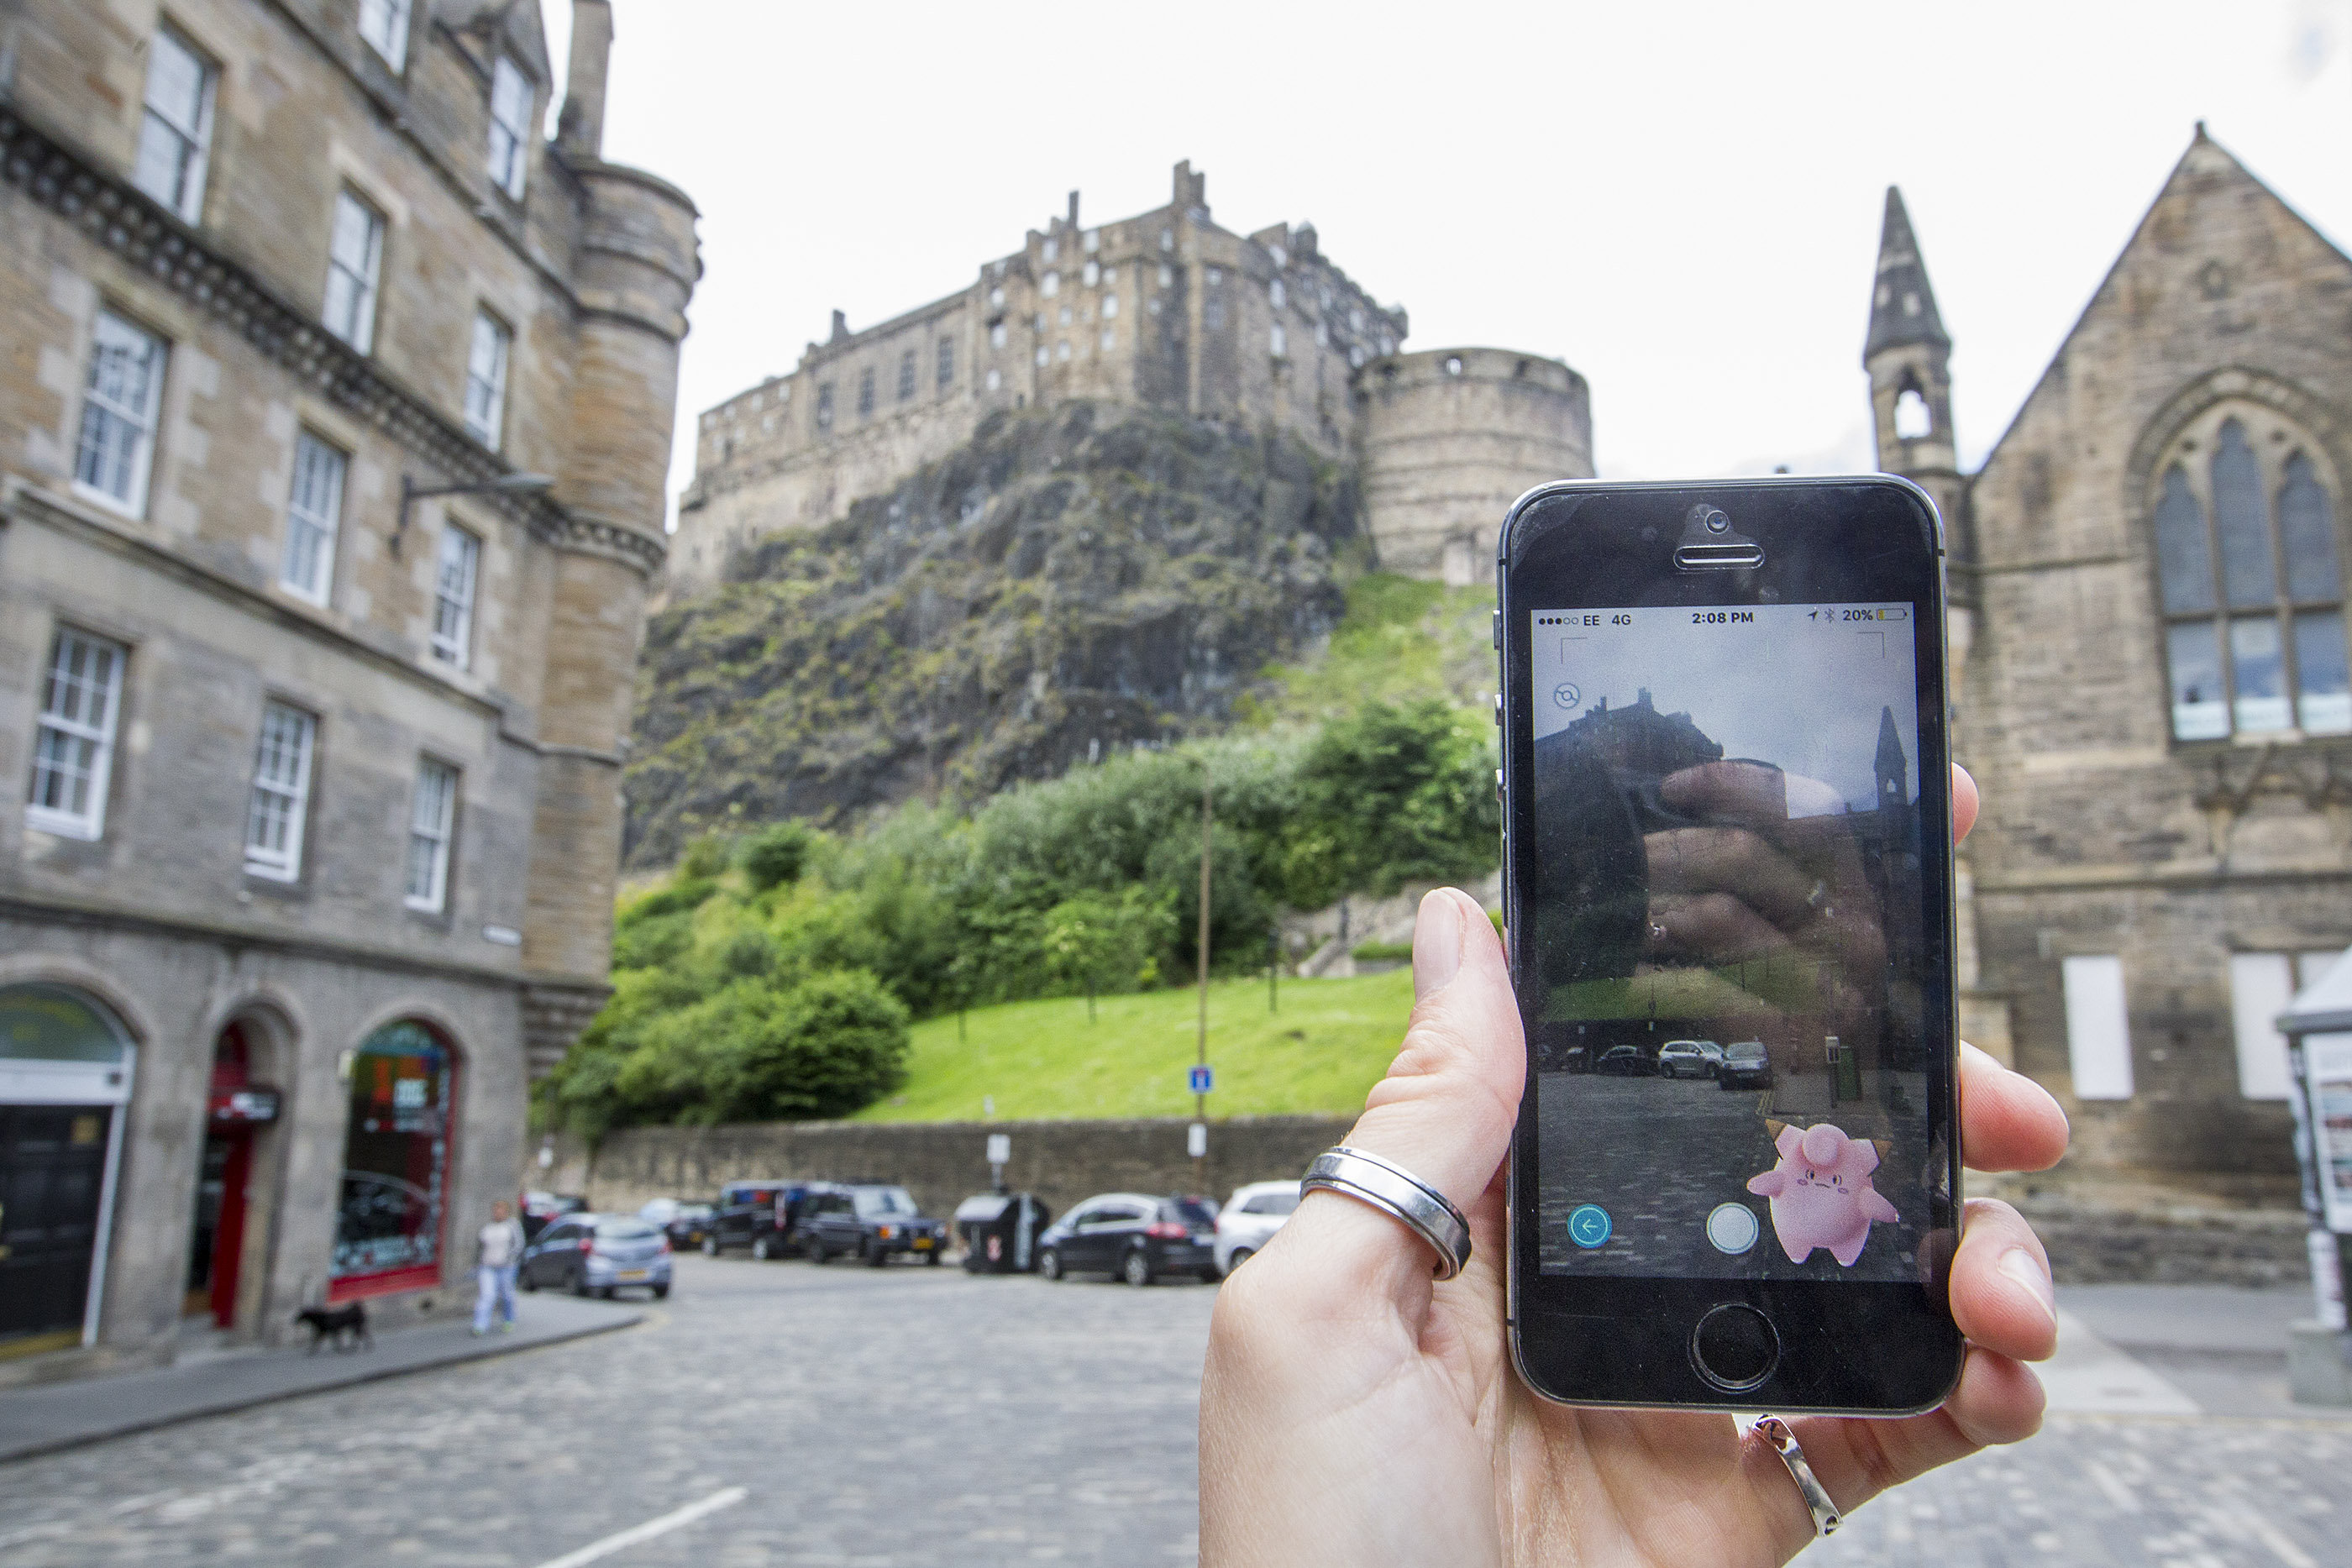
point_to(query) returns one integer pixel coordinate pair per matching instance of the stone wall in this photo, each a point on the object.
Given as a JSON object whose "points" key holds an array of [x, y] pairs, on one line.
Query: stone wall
{"points": [[942, 1162]]}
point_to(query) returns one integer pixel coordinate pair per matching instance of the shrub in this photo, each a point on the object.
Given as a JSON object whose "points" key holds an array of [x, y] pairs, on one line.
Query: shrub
{"points": [[775, 854]]}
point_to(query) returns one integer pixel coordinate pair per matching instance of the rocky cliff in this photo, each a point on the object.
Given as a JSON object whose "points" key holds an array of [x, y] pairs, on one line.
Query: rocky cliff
{"points": [[1074, 580]]}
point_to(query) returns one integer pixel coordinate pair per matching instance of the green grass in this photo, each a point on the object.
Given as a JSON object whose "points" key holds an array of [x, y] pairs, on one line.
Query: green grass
{"points": [[1327, 1046]]}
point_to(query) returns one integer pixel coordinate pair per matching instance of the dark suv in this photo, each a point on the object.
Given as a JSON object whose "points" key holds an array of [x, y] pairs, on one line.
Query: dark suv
{"points": [[759, 1215], [871, 1221], [1132, 1237]]}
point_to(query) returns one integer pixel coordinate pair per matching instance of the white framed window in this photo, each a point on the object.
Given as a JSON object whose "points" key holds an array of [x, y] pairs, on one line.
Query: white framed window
{"points": [[1092, 240], [432, 811], [1276, 294], [121, 408], [1091, 274], [176, 134], [995, 380], [281, 792], [1280, 341], [2261, 987], [2098, 1027], [73, 753], [385, 25], [354, 261], [1109, 306], [453, 596], [1053, 248], [485, 378], [1051, 284], [510, 96], [1062, 351], [314, 511], [996, 335]]}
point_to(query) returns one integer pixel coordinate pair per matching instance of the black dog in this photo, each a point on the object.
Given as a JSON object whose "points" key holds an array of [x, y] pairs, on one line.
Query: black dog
{"points": [[336, 1323]]}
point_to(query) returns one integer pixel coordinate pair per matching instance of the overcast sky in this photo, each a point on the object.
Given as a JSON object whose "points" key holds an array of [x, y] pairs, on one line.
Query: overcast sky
{"points": [[1682, 201]]}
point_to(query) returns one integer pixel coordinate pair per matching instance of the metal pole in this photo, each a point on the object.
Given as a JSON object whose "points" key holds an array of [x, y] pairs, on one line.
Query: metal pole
{"points": [[1201, 1101]]}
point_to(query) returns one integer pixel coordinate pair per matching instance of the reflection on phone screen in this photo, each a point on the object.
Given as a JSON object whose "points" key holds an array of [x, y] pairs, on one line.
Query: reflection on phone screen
{"points": [[1730, 1045]]}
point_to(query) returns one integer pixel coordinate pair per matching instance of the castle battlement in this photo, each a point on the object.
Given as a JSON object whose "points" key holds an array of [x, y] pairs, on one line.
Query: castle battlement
{"points": [[1165, 310]]}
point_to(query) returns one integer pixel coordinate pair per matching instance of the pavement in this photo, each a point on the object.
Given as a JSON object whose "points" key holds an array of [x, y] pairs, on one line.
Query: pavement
{"points": [[45, 1418], [784, 1414]]}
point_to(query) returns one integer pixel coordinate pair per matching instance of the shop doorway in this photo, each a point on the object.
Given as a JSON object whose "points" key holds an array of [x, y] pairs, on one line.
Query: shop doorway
{"points": [[237, 1110], [65, 1075]]}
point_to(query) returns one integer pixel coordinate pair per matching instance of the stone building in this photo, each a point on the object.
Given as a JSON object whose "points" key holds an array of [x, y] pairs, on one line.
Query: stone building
{"points": [[1164, 310], [332, 445], [2148, 626]]}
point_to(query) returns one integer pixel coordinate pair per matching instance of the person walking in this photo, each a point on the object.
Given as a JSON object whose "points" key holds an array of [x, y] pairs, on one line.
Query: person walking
{"points": [[502, 1245]]}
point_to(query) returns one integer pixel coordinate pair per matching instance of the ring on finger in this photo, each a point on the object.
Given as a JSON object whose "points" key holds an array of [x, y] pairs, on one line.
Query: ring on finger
{"points": [[1783, 1442], [1399, 1194]]}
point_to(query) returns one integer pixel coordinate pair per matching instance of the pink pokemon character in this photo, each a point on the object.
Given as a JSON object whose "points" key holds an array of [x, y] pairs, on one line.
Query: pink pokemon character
{"points": [[1820, 1193]]}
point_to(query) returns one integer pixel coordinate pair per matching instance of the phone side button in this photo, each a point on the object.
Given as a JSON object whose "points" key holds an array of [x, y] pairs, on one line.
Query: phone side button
{"points": [[1499, 631], [1498, 708], [1735, 1348]]}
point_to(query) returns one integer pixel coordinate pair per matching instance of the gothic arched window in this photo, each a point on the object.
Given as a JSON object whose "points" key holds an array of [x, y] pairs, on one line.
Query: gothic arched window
{"points": [[2251, 579]]}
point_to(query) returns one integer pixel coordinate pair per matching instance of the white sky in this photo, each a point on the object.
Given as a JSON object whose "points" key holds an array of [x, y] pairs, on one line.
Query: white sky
{"points": [[1683, 201], [1797, 687]]}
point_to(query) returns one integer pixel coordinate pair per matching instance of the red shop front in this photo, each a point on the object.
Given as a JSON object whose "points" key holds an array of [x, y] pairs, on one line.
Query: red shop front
{"points": [[389, 1234]]}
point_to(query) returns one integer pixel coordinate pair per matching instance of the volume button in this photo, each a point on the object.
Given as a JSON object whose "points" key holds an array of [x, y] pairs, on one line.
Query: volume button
{"points": [[1499, 708], [1499, 631]]}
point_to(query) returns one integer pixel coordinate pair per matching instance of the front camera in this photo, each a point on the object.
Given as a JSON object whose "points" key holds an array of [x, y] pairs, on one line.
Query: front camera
{"points": [[1717, 521]]}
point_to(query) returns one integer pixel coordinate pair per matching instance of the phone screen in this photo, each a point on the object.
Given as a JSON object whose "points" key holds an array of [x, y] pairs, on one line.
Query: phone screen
{"points": [[1734, 1061]]}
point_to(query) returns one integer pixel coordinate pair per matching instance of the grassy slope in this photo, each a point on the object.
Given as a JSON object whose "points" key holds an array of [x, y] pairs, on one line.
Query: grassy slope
{"points": [[1401, 640], [1327, 1046]]}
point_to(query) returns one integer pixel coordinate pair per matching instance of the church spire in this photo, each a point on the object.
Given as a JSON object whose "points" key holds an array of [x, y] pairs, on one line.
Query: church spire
{"points": [[1903, 305], [1893, 767]]}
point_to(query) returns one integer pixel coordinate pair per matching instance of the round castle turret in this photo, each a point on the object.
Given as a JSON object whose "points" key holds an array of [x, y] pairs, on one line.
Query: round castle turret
{"points": [[1450, 438]]}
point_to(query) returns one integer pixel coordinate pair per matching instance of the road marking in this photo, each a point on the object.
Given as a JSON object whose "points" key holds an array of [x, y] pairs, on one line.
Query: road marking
{"points": [[675, 1519]]}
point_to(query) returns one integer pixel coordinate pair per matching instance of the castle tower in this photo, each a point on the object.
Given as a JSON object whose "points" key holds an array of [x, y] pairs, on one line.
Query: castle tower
{"points": [[1908, 355]]}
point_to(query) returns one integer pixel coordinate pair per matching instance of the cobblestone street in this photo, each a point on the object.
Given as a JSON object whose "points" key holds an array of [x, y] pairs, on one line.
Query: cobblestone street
{"points": [[920, 1417]]}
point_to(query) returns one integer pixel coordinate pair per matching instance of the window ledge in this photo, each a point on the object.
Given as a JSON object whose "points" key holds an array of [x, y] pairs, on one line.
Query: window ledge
{"points": [[109, 501], [56, 824]]}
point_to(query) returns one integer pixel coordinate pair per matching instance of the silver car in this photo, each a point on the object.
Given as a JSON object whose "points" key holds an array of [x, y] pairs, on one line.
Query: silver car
{"points": [[597, 1254], [1249, 1218], [1689, 1059]]}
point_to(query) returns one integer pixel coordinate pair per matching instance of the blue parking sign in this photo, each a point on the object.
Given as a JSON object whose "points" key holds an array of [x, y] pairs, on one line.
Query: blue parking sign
{"points": [[1202, 1080]]}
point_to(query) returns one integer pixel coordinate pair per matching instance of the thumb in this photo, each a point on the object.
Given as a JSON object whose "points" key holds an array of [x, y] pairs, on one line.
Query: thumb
{"points": [[1443, 1113], [1446, 1109]]}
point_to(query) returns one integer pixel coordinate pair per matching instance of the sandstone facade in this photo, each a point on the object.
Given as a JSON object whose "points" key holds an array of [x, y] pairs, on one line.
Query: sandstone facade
{"points": [[317, 783], [2148, 592], [1165, 310]]}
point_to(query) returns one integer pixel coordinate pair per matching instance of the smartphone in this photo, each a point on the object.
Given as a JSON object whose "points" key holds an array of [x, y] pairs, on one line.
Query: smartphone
{"points": [[1726, 790]]}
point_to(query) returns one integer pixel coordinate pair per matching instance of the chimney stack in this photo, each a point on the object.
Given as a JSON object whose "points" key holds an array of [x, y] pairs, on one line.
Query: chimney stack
{"points": [[580, 129]]}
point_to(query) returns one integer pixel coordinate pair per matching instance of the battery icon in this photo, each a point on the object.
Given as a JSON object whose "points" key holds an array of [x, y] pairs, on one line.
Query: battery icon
{"points": [[1900, 613]]}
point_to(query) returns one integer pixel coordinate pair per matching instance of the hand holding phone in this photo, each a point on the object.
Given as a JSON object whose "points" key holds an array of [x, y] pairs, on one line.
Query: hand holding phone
{"points": [[1351, 1411]]}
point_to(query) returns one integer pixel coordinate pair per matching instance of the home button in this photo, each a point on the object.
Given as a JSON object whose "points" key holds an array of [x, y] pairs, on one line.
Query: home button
{"points": [[1735, 1347]]}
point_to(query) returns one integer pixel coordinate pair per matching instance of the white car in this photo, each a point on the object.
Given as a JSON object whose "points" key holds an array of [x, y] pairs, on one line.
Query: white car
{"points": [[1253, 1213]]}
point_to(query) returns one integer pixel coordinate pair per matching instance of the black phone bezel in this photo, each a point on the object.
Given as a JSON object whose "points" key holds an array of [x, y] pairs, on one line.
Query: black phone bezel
{"points": [[1869, 1348]]}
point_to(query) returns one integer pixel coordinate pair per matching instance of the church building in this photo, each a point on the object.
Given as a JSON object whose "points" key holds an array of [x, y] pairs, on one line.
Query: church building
{"points": [[2147, 635]]}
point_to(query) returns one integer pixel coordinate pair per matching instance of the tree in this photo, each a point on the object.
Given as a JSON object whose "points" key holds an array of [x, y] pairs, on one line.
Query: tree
{"points": [[776, 854]]}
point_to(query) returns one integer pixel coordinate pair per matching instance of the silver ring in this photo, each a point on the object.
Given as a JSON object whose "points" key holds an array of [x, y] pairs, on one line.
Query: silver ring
{"points": [[1826, 1517], [1399, 1194]]}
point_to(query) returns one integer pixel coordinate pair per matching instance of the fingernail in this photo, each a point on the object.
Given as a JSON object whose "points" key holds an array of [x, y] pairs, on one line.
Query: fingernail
{"points": [[2026, 1269], [1436, 942]]}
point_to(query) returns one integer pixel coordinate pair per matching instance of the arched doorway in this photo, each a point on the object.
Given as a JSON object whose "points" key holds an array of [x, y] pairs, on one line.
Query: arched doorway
{"points": [[238, 1114], [65, 1077], [388, 1232]]}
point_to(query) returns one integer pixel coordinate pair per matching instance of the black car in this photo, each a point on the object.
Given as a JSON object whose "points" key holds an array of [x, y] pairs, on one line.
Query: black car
{"points": [[760, 1215], [870, 1220], [1132, 1237], [539, 1207], [1626, 1061], [689, 1224]]}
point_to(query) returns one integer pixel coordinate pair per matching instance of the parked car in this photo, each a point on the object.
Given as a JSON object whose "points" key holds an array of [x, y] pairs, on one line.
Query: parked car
{"points": [[1132, 1237], [760, 1215], [685, 1224], [597, 1254], [871, 1221], [1626, 1061], [1250, 1216], [539, 1207], [1689, 1059], [1745, 1065]]}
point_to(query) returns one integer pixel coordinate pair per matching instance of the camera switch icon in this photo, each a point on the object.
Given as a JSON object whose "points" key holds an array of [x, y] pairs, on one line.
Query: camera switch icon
{"points": [[1566, 695]]}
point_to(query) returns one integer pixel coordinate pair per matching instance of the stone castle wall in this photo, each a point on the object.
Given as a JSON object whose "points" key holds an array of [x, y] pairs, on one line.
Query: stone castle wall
{"points": [[1164, 310], [1450, 438]]}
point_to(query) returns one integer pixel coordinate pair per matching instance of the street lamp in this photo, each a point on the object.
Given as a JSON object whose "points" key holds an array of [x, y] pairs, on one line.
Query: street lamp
{"points": [[504, 485]]}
